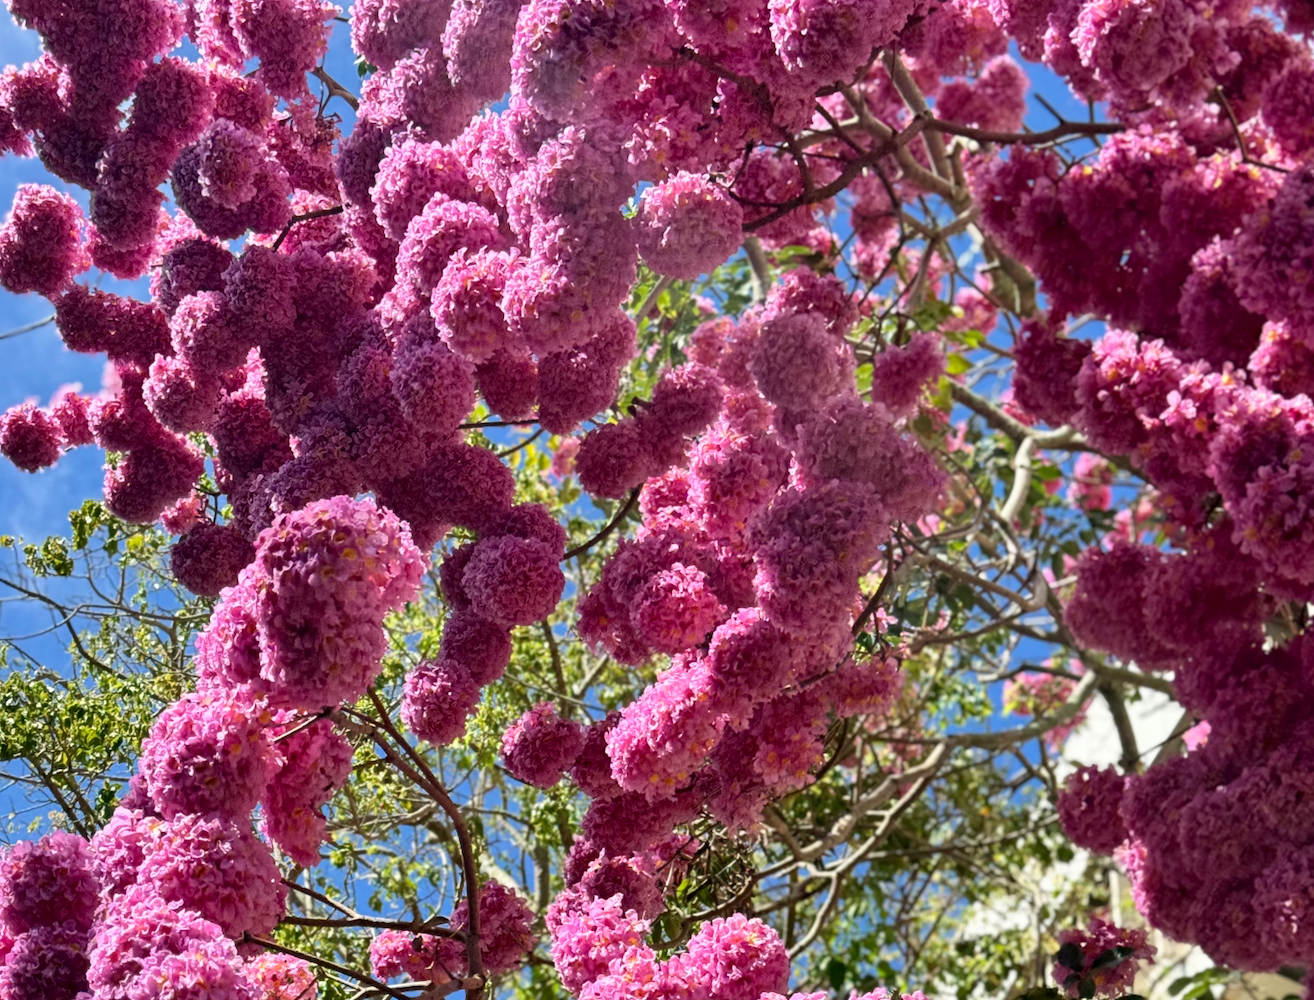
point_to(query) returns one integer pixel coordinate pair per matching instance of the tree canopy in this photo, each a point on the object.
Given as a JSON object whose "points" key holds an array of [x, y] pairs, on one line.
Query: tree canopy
{"points": [[630, 499]]}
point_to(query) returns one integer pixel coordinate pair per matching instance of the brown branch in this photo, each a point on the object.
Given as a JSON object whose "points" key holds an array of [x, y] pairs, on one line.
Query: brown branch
{"points": [[855, 167], [1061, 437], [523, 444], [315, 894], [400, 925], [1226, 105], [870, 608], [612, 525], [304, 724], [916, 102], [342, 970], [1010, 737], [318, 213], [1027, 138], [1131, 757], [555, 650], [335, 89], [476, 425], [470, 868]]}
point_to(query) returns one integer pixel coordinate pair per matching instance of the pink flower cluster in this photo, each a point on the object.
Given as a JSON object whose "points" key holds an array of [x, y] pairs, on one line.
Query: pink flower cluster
{"points": [[599, 951], [48, 897], [511, 576], [281, 977], [177, 877], [315, 763], [1088, 809], [505, 938], [442, 256], [1103, 956], [540, 747], [41, 242], [312, 604], [749, 582]]}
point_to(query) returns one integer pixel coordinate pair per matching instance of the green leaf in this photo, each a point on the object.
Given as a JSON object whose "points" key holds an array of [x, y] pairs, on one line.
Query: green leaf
{"points": [[837, 973], [956, 364]]}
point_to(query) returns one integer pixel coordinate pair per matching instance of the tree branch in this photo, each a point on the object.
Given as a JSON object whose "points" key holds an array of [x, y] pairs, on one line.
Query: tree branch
{"points": [[612, 525], [318, 213], [1027, 138], [335, 89]]}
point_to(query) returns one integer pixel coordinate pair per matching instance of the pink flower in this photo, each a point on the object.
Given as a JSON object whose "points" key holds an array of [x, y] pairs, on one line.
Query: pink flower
{"points": [[1080, 953], [29, 437], [563, 458], [282, 977], [437, 698], [589, 935], [208, 754], [218, 869], [1088, 808], [736, 958], [324, 577], [688, 226], [209, 557], [46, 962], [47, 882], [316, 761], [798, 364], [145, 944], [513, 581], [505, 934], [540, 746], [41, 242]]}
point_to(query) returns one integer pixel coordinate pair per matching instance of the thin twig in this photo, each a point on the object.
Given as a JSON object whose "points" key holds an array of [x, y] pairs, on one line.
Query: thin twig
{"points": [[612, 525], [870, 608], [19, 331], [304, 724], [402, 925], [523, 444], [476, 425], [854, 167], [1226, 105], [317, 895], [318, 213], [341, 970]]}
